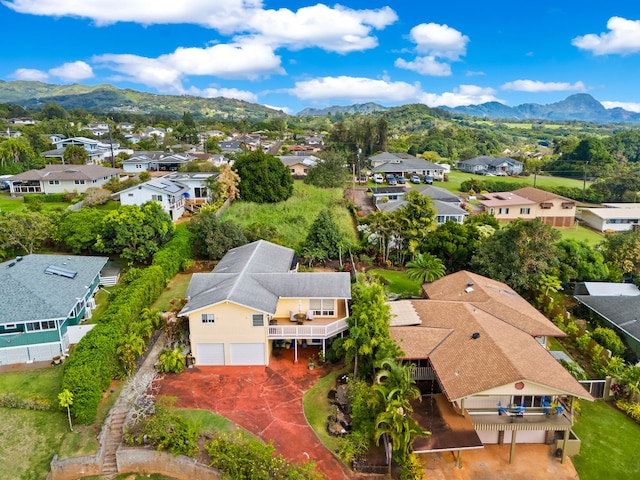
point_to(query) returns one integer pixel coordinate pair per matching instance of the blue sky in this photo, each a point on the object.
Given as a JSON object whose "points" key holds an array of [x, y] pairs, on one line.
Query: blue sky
{"points": [[291, 55]]}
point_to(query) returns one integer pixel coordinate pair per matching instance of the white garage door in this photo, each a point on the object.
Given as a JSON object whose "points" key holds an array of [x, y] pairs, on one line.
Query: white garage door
{"points": [[246, 353], [210, 354]]}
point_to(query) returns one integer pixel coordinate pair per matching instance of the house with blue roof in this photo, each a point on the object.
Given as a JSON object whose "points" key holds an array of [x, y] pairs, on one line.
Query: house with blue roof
{"points": [[42, 297]]}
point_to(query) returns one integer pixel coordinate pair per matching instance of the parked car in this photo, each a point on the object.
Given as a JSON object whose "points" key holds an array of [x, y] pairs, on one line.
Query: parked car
{"points": [[392, 180], [428, 179], [401, 180], [377, 178], [500, 173], [415, 179]]}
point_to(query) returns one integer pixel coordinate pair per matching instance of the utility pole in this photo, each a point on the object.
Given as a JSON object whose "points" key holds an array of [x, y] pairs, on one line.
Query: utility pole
{"points": [[584, 180], [113, 158]]}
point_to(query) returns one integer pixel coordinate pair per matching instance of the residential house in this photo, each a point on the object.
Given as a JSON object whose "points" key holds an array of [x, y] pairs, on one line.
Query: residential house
{"points": [[299, 166], [43, 296], [170, 194], [618, 304], [198, 193], [61, 179], [22, 121], [405, 165], [506, 206], [479, 351], [483, 165], [615, 217], [96, 149], [255, 300], [448, 206], [156, 161], [230, 146]]}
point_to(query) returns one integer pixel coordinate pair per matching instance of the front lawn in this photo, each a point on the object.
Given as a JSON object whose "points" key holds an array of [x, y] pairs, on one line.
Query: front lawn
{"points": [[580, 233], [456, 177], [398, 282], [609, 447], [176, 289]]}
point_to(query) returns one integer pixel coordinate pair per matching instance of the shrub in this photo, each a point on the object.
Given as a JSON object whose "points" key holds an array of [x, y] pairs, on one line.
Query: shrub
{"points": [[609, 339], [632, 409], [96, 196], [583, 342], [171, 361], [13, 400]]}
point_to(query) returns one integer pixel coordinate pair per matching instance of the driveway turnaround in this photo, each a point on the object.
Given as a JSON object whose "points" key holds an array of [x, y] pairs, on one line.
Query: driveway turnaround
{"points": [[265, 401]]}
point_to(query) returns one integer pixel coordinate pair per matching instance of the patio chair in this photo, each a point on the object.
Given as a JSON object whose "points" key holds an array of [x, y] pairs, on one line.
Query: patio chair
{"points": [[292, 316], [310, 315]]}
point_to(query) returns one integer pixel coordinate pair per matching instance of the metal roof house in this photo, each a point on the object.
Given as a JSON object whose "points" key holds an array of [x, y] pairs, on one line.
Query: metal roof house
{"points": [[170, 194], [44, 296], [255, 299]]}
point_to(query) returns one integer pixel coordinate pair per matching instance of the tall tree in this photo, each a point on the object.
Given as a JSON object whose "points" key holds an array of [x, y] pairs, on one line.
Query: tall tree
{"points": [[213, 237], [15, 150], [25, 230], [330, 172], [75, 155], [65, 397], [324, 234], [621, 251], [580, 262], [518, 254], [263, 178]]}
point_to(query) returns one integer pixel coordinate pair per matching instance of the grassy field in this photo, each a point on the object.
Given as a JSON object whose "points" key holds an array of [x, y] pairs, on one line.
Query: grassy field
{"points": [[293, 217], [456, 178], [176, 289], [609, 447], [8, 204], [581, 233], [34, 437]]}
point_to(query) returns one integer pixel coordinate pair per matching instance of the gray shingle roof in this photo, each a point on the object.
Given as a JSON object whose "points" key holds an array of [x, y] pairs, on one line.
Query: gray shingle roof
{"points": [[67, 172], [28, 293], [622, 311], [257, 275]]}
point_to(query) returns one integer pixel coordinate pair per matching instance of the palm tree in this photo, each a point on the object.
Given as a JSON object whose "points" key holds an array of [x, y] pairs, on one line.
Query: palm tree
{"points": [[401, 428], [397, 377], [131, 348], [425, 268], [65, 398]]}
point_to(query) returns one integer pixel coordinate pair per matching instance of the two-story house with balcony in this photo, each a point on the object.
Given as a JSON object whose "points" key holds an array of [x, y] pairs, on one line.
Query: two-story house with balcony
{"points": [[255, 298]]}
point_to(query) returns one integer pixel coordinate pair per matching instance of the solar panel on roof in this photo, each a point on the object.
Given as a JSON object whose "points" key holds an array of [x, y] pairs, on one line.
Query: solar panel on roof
{"points": [[62, 272]]}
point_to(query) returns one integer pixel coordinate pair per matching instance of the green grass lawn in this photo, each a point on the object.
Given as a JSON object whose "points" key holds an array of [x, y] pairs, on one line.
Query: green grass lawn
{"points": [[581, 233], [609, 443], [455, 179], [29, 439], [397, 282], [293, 217], [175, 290]]}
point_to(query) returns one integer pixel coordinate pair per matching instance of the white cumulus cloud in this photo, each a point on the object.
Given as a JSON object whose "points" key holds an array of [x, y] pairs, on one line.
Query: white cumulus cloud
{"points": [[30, 74], [72, 71], [629, 106], [356, 89], [622, 38], [425, 66], [439, 40], [166, 72], [463, 95], [336, 29], [212, 92], [535, 86]]}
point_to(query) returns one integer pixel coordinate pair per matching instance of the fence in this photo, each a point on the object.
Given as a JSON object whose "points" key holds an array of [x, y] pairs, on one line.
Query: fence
{"points": [[597, 388]]}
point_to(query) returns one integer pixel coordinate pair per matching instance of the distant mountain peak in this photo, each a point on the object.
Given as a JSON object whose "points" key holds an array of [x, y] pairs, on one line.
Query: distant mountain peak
{"points": [[369, 107], [579, 107]]}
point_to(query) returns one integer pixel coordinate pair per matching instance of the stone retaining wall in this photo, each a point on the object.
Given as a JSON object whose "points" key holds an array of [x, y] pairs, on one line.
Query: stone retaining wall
{"points": [[74, 468], [145, 461]]}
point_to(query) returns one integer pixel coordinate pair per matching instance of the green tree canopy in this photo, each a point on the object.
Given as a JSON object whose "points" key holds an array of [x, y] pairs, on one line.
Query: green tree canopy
{"points": [[214, 237], [78, 231], [621, 251], [580, 262], [25, 230], [330, 172], [263, 178], [75, 155], [425, 268], [518, 254], [135, 232], [324, 234]]}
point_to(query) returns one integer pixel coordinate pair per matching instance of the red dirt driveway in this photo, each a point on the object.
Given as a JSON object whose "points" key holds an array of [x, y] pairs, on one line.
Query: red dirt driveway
{"points": [[265, 401]]}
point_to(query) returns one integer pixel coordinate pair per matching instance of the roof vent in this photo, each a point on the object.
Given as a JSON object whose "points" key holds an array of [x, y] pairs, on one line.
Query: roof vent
{"points": [[12, 264], [18, 259], [469, 283], [468, 289], [475, 335]]}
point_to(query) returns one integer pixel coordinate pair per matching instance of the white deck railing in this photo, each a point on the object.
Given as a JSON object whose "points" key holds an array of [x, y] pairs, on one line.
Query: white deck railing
{"points": [[307, 330]]}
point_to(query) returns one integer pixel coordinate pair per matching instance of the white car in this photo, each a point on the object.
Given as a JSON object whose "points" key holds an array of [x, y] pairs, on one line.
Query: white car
{"points": [[377, 178]]}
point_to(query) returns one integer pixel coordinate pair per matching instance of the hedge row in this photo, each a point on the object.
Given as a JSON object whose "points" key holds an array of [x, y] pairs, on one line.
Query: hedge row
{"points": [[49, 198], [93, 363], [13, 400]]}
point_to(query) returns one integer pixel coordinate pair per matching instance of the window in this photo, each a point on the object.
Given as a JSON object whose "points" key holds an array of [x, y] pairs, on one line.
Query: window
{"points": [[293, 170], [525, 211], [79, 182], [33, 326], [9, 326], [503, 211], [48, 325], [156, 198], [257, 320], [208, 318], [492, 211], [324, 307], [54, 182], [138, 166]]}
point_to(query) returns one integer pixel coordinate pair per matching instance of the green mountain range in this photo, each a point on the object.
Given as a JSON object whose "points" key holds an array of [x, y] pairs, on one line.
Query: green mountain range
{"points": [[107, 98]]}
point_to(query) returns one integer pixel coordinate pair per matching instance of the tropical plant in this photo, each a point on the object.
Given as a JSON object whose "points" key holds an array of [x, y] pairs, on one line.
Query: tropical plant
{"points": [[171, 361], [129, 350], [425, 268], [65, 397]]}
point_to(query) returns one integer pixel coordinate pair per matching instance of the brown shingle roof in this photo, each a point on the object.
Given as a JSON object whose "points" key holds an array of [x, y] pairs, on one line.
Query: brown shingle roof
{"points": [[493, 297], [500, 355], [67, 172], [540, 196]]}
